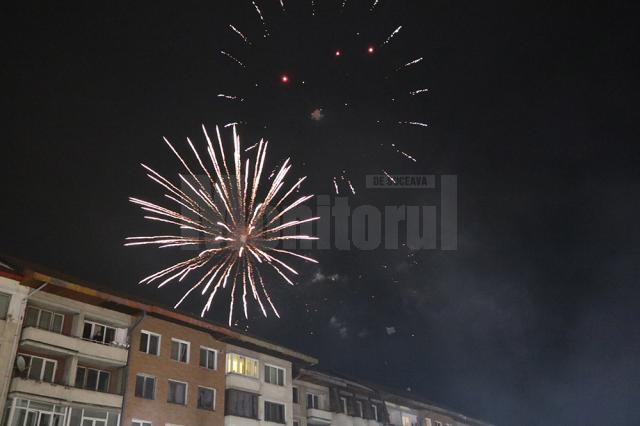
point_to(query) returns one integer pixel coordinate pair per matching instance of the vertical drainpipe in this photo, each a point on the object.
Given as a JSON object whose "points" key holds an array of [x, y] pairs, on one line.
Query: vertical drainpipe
{"points": [[125, 376]]}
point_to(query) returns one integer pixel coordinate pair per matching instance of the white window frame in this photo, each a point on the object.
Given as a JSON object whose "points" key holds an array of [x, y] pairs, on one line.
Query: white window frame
{"points": [[284, 410], [360, 407], [317, 400], [141, 422], [86, 375], [180, 341], [214, 398], [155, 386], [151, 333], [215, 357], [53, 315], [402, 417], [104, 336], [44, 360], [186, 392], [254, 361], [344, 405], [427, 421], [374, 410], [284, 374], [21, 406]]}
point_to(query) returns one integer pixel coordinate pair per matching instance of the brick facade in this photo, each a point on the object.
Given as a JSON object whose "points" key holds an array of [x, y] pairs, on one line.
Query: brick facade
{"points": [[158, 411]]}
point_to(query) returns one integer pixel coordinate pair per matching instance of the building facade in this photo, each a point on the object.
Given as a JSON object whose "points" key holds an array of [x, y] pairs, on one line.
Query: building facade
{"points": [[74, 355], [258, 388], [176, 376], [69, 365], [13, 298]]}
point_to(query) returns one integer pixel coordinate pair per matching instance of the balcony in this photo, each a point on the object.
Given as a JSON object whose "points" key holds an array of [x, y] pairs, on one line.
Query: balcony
{"points": [[65, 393], [317, 416], [48, 342]]}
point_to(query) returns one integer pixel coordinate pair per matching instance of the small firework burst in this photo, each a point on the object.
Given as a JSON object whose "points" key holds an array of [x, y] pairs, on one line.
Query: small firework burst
{"points": [[364, 67], [236, 229]]}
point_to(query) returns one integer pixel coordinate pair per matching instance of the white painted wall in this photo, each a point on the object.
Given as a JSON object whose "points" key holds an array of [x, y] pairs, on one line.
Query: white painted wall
{"points": [[10, 332], [267, 391]]}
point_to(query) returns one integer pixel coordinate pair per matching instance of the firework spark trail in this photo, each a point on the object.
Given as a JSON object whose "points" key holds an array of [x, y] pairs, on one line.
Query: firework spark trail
{"points": [[282, 4], [264, 23], [353, 191], [393, 34], [410, 63], [389, 176], [237, 226], [233, 58], [313, 7], [335, 186], [237, 31], [398, 150], [344, 3], [414, 123], [375, 3], [417, 92], [230, 97]]}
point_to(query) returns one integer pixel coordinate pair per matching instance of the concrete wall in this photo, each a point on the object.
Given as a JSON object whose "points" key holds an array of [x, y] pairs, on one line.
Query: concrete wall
{"points": [[10, 333], [163, 368], [267, 391]]}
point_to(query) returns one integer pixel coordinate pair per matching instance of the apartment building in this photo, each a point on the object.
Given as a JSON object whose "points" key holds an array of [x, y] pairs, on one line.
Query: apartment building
{"points": [[69, 364], [324, 399], [77, 355], [176, 375], [259, 386]]}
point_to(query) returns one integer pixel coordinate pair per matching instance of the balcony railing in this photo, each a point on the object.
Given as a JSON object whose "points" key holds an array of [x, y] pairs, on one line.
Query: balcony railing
{"points": [[36, 338], [63, 392]]}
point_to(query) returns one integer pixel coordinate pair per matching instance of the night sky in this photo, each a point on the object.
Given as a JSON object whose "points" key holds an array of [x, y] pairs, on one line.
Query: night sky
{"points": [[533, 320]]}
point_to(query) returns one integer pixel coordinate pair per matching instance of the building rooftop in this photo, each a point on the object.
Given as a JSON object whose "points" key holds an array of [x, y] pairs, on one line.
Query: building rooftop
{"points": [[35, 275]]}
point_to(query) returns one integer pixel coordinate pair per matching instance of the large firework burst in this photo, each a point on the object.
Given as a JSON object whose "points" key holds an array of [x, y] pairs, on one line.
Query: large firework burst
{"points": [[235, 230], [328, 73]]}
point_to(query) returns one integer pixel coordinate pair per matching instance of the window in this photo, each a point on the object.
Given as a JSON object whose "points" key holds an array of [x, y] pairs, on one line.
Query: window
{"points": [[150, 343], [37, 413], [406, 421], [180, 350], [374, 412], [208, 358], [92, 417], [274, 375], [240, 403], [438, 423], [145, 386], [295, 395], [46, 320], [4, 305], [343, 404], [296, 422], [206, 398], [359, 410], [240, 364], [313, 401], [427, 421], [177, 392], [98, 332], [273, 412], [92, 379], [136, 422], [38, 368]]}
